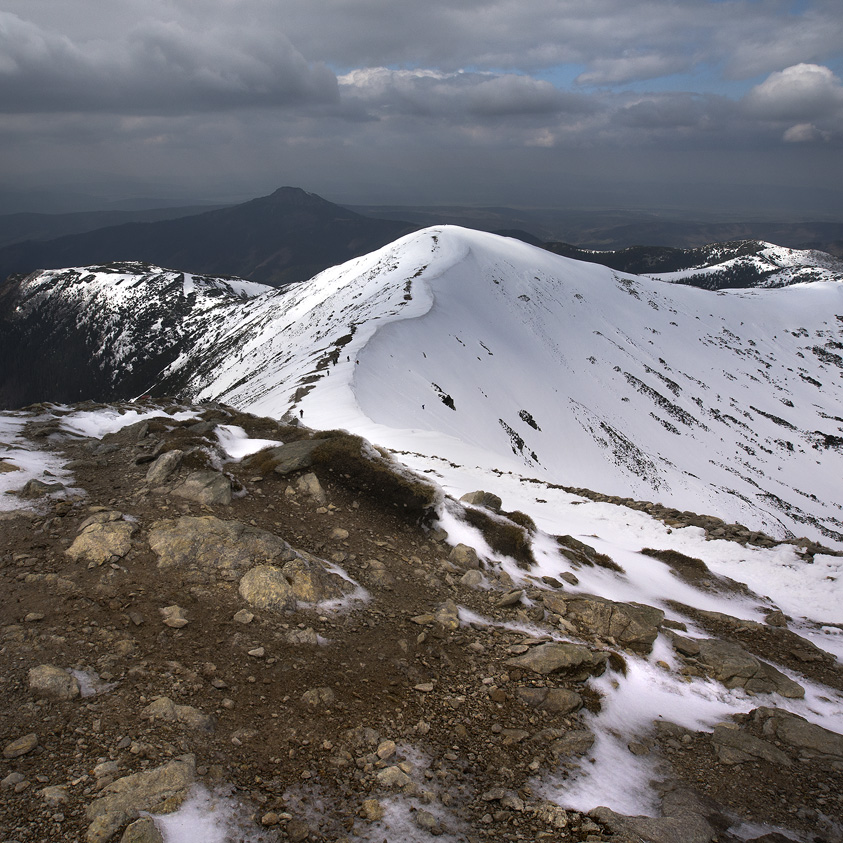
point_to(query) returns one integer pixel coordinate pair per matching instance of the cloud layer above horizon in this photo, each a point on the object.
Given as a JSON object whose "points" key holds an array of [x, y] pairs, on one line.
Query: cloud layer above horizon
{"points": [[377, 101]]}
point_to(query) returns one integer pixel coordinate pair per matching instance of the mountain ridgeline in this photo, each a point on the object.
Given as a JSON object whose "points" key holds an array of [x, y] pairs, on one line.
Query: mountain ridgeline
{"points": [[279, 239], [726, 402]]}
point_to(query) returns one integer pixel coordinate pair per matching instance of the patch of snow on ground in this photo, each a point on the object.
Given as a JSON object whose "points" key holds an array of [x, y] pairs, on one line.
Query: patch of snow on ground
{"points": [[237, 444], [207, 817], [98, 423]]}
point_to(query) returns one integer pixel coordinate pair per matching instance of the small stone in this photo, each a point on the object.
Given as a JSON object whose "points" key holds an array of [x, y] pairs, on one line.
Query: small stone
{"points": [[244, 616], [54, 795], [393, 777], [257, 653], [424, 687], [270, 819], [297, 830], [12, 779], [385, 750], [173, 616], [511, 598], [21, 746], [427, 822], [371, 810]]}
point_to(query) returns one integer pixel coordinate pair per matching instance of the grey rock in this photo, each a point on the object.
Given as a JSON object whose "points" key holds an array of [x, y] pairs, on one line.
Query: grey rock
{"points": [[394, 778], [808, 739], [554, 700], [165, 709], [471, 579], [54, 794], [465, 557], [164, 467], [632, 625], [511, 598], [211, 543], [208, 487], [20, 746], [173, 616], [142, 831], [687, 819], [38, 489], [284, 459], [484, 499], [735, 746], [318, 696], [576, 742], [50, 681], [448, 615], [730, 664], [427, 822], [160, 791], [309, 485], [575, 661]]}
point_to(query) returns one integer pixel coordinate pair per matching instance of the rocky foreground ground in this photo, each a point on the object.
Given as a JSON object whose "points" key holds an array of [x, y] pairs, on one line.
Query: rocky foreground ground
{"points": [[287, 628]]}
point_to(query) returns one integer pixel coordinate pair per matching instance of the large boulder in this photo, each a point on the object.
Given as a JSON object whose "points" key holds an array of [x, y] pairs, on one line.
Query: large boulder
{"points": [[164, 467], [687, 818], [211, 543], [484, 499], [284, 459], [208, 487], [52, 682], [165, 709], [735, 746], [573, 661], [632, 625], [159, 791], [807, 739], [729, 663], [104, 537], [552, 700], [281, 588]]}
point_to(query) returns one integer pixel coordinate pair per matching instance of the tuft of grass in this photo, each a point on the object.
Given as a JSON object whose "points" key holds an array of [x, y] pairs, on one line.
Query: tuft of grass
{"points": [[355, 464], [585, 554], [502, 535], [522, 520]]}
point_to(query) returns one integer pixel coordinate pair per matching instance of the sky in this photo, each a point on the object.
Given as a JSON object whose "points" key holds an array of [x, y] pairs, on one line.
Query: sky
{"points": [[732, 104]]}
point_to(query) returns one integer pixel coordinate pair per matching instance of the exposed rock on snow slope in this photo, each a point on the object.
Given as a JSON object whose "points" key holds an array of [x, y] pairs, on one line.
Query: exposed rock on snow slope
{"points": [[484, 349], [102, 330], [754, 263], [739, 263]]}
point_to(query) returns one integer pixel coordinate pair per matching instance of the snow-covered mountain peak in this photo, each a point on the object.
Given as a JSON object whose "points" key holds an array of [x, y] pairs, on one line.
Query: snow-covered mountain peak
{"points": [[464, 343], [487, 351]]}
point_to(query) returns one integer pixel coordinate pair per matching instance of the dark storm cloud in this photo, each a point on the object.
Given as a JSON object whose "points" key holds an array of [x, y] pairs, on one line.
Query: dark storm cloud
{"points": [[455, 101], [157, 68]]}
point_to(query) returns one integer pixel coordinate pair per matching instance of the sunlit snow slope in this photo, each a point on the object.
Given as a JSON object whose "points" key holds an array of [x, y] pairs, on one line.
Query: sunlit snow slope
{"points": [[489, 351]]}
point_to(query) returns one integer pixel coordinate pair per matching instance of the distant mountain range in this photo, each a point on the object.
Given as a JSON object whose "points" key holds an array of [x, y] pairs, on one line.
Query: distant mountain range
{"points": [[278, 239], [461, 341], [291, 235]]}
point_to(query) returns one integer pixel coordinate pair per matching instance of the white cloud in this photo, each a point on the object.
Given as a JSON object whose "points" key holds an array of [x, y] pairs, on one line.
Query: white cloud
{"points": [[803, 92], [455, 95], [805, 133]]}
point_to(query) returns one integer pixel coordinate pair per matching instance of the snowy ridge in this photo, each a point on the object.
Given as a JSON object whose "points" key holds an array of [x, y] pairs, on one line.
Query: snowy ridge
{"points": [[486, 350], [767, 264]]}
